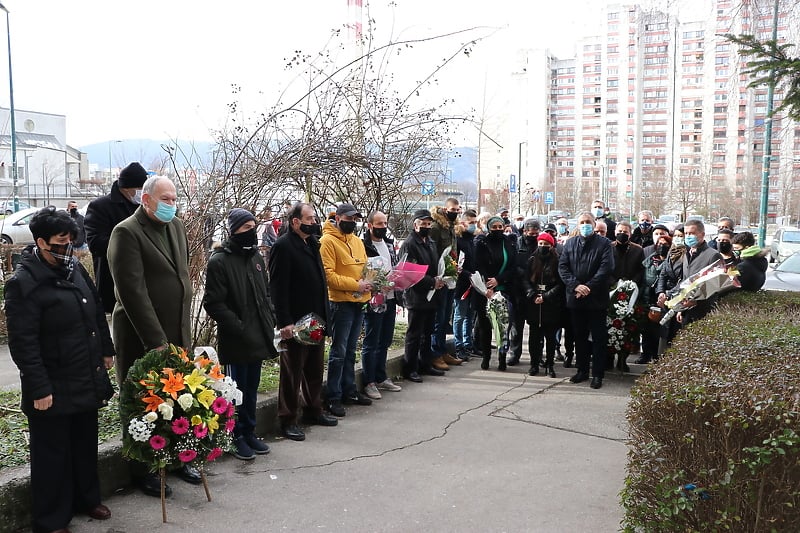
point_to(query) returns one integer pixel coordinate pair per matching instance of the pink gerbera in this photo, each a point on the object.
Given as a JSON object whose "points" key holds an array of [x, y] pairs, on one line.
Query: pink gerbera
{"points": [[213, 454], [157, 442], [231, 410], [230, 424], [200, 431], [187, 455], [220, 405], [180, 425]]}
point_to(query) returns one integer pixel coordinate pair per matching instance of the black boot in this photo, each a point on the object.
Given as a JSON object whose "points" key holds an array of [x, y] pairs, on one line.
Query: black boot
{"points": [[501, 366], [548, 365], [513, 361], [568, 360], [534, 371], [485, 361]]}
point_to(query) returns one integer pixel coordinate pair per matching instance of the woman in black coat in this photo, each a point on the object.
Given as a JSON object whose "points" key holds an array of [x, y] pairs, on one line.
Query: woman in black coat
{"points": [[545, 295], [494, 259], [58, 337]]}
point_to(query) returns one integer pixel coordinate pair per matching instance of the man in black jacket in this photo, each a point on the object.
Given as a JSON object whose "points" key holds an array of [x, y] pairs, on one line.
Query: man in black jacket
{"points": [[586, 267], [599, 214], [526, 245], [298, 287], [419, 249], [102, 215], [237, 298]]}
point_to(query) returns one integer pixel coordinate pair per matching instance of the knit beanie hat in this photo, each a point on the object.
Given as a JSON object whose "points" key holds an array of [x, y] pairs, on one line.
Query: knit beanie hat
{"points": [[132, 177], [546, 237], [237, 218]]}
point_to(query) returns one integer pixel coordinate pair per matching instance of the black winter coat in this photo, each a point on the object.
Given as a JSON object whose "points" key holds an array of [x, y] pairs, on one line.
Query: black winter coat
{"points": [[102, 215], [587, 261], [466, 244], [58, 336], [237, 297], [297, 279], [422, 252], [550, 312], [489, 259]]}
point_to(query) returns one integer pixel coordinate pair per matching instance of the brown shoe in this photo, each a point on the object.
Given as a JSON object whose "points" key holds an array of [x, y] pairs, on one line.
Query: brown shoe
{"points": [[450, 360], [439, 364], [99, 512]]}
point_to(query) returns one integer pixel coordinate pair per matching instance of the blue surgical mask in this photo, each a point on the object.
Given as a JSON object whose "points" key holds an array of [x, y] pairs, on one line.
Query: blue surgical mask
{"points": [[585, 230], [677, 241], [137, 197], [471, 228], [597, 212], [690, 241], [562, 228], [165, 212]]}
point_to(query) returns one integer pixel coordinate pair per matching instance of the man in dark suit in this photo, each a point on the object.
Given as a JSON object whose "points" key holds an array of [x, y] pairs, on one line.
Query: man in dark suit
{"points": [[298, 286], [102, 215], [149, 262]]}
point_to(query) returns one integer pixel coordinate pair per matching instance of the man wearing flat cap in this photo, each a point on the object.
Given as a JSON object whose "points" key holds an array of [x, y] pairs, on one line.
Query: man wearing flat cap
{"points": [[344, 257], [418, 248], [102, 215], [237, 297]]}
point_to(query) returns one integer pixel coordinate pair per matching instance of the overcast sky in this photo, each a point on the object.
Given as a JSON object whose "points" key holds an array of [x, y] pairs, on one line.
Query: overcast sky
{"points": [[164, 68]]}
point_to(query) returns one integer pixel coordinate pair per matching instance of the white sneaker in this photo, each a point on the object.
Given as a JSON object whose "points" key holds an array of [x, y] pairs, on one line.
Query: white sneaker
{"points": [[371, 391], [389, 385]]}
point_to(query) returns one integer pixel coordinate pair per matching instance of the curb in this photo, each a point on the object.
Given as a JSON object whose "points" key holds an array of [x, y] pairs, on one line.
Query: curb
{"points": [[15, 497]]}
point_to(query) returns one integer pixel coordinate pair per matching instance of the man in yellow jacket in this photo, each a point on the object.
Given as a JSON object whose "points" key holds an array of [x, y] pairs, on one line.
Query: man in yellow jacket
{"points": [[344, 257]]}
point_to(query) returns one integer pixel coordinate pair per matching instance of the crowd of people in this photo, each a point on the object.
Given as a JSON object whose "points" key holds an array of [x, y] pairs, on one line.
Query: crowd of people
{"points": [[554, 280]]}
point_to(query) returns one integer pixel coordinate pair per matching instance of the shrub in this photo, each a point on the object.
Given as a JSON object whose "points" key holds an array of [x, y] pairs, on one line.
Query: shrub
{"points": [[715, 424]]}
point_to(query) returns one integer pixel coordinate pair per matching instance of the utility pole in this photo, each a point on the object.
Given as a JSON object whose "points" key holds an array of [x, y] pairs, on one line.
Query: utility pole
{"points": [[762, 216]]}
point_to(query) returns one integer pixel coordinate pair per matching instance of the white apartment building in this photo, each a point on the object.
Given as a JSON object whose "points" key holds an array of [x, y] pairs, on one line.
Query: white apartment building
{"points": [[651, 113]]}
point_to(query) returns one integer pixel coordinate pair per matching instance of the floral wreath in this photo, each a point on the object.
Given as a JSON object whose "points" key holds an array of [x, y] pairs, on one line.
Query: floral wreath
{"points": [[177, 410], [624, 318]]}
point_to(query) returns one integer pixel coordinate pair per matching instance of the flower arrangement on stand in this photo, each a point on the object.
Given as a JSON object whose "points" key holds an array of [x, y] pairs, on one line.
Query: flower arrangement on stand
{"points": [[177, 410], [624, 321]]}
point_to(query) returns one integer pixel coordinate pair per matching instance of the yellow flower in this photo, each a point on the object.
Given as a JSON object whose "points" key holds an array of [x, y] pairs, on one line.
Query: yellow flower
{"points": [[207, 397], [195, 380], [197, 420], [213, 423]]}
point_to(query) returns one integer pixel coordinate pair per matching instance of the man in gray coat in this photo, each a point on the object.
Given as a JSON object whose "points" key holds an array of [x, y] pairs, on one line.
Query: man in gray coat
{"points": [[149, 262]]}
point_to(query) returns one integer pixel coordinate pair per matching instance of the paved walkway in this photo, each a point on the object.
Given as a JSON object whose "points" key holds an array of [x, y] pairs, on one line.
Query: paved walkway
{"points": [[472, 451]]}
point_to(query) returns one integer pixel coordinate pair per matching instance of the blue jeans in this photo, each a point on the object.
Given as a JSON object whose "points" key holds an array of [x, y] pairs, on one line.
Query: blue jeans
{"points": [[463, 321], [345, 322], [443, 314], [378, 334], [247, 377]]}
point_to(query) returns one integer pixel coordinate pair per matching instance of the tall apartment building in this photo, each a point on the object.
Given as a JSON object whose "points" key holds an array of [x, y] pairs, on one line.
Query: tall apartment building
{"points": [[654, 113]]}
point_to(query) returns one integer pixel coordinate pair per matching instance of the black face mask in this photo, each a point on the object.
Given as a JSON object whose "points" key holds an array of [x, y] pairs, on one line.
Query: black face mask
{"points": [[73, 211], [496, 234], [451, 215], [246, 239], [530, 241], [311, 229], [725, 247], [347, 226], [506, 221], [423, 232], [622, 238], [544, 250], [663, 250], [379, 233]]}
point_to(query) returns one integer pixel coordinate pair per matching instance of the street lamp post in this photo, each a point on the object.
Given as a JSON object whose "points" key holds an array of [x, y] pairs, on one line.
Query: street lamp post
{"points": [[14, 170]]}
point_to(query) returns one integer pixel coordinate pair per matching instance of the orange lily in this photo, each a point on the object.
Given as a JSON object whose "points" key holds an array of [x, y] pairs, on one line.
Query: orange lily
{"points": [[202, 361], [216, 373], [152, 401], [173, 383]]}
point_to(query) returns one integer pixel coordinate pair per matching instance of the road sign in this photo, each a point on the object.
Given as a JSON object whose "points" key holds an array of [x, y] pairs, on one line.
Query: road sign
{"points": [[512, 186], [427, 188], [549, 198]]}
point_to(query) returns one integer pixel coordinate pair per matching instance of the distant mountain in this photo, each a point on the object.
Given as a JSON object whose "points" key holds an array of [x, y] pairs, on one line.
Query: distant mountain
{"points": [[459, 162], [149, 152]]}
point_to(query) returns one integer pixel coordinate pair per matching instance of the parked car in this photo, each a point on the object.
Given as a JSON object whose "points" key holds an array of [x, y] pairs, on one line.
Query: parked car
{"points": [[785, 242], [14, 227], [785, 276], [7, 206]]}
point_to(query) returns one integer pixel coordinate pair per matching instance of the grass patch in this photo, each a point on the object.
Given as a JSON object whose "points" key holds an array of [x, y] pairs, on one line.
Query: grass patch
{"points": [[270, 376]]}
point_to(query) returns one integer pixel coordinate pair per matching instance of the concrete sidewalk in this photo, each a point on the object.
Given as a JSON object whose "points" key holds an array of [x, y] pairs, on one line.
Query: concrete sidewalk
{"points": [[472, 451]]}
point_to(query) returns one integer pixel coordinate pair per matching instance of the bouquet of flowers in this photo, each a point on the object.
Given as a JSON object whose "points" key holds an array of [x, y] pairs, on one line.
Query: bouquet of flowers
{"points": [[177, 410], [376, 271], [712, 280], [623, 319], [445, 262], [405, 275], [309, 330], [497, 311]]}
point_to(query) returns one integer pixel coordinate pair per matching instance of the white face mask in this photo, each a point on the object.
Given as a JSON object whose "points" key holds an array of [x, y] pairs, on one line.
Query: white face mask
{"points": [[137, 197]]}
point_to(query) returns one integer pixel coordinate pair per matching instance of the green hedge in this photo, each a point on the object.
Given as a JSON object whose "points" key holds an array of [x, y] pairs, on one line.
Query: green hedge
{"points": [[715, 424]]}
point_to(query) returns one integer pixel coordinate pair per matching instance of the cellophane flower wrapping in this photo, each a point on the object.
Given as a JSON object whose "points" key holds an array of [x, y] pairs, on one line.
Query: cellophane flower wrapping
{"points": [[176, 409], [624, 318], [497, 311], [713, 280], [405, 275], [442, 269], [310, 330]]}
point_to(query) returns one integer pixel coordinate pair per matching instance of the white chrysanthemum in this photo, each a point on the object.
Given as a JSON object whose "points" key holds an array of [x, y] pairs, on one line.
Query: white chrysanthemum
{"points": [[140, 430]]}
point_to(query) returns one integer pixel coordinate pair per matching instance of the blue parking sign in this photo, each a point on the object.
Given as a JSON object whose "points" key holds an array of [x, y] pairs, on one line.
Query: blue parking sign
{"points": [[549, 198], [427, 188], [512, 186]]}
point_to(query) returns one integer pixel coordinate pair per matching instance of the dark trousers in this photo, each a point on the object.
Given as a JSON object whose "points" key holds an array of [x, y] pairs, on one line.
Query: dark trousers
{"points": [[444, 313], [247, 377], [64, 478], [418, 340], [517, 329], [584, 322], [378, 334], [301, 381], [539, 336]]}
